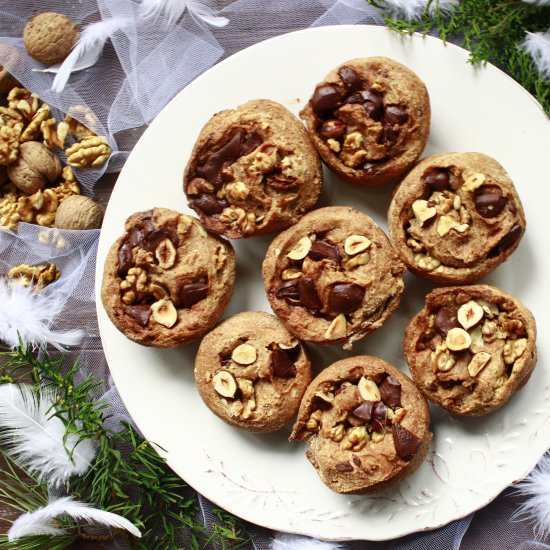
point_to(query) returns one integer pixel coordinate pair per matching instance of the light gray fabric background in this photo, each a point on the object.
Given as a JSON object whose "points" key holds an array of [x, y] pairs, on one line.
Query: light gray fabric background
{"points": [[141, 69]]}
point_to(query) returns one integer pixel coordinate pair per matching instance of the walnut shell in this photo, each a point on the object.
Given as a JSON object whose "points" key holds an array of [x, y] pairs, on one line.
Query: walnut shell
{"points": [[49, 37], [35, 166], [79, 212]]}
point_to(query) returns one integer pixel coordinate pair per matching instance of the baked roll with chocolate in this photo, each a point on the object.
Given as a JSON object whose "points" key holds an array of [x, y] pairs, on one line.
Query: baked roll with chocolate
{"points": [[251, 372], [253, 170], [166, 280], [471, 348], [333, 277], [366, 425], [369, 119], [455, 217]]}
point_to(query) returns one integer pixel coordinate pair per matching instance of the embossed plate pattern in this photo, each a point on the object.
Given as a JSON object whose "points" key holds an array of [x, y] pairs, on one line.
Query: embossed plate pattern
{"points": [[265, 479]]}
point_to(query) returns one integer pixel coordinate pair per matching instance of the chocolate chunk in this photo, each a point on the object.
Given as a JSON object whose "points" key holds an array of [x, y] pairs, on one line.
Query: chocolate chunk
{"points": [[437, 178], [364, 411], [209, 204], [445, 320], [506, 241], [135, 236], [192, 293], [390, 391], [289, 291], [513, 208], [325, 98], [489, 201], [379, 416], [344, 467], [321, 250], [153, 239], [388, 134], [139, 313], [332, 129], [281, 364], [396, 114], [308, 293], [319, 403], [406, 443], [251, 141], [350, 78], [239, 143], [125, 258], [345, 297], [374, 104], [356, 460]]}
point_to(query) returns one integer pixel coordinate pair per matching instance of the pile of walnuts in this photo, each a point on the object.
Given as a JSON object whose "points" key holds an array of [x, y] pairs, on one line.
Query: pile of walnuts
{"points": [[33, 182]]}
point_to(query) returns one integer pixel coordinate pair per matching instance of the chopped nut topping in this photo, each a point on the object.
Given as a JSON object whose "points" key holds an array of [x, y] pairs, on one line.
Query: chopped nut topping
{"points": [[377, 437], [164, 313], [224, 383], [513, 350], [236, 191], [423, 261], [301, 250], [458, 339], [358, 260], [244, 354], [246, 386], [355, 244], [473, 182], [422, 212], [469, 314], [337, 328], [165, 253], [337, 433], [368, 390], [445, 224], [478, 362], [289, 274]]}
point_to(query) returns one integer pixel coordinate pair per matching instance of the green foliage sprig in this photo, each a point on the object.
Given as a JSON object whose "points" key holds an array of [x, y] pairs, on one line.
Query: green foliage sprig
{"points": [[492, 31], [128, 477]]}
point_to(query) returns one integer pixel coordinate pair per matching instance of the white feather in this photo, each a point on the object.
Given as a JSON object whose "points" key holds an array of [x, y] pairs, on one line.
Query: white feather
{"points": [[34, 438], [537, 45], [536, 487], [538, 2], [37, 522], [412, 9], [284, 541], [29, 315], [172, 10], [88, 48]]}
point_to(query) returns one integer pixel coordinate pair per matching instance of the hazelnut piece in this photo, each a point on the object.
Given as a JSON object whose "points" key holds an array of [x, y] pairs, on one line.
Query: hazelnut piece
{"points": [[224, 383], [300, 251], [79, 212], [355, 244], [165, 253], [458, 339], [422, 212], [368, 390], [35, 166], [473, 182], [49, 37], [469, 314], [245, 354], [337, 329], [164, 313], [478, 362]]}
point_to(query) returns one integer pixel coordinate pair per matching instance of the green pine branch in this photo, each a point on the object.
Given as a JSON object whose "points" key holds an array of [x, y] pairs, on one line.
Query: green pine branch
{"points": [[128, 477], [491, 31]]}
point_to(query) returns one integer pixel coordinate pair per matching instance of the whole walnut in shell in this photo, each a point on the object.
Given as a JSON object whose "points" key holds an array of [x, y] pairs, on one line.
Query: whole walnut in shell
{"points": [[35, 166], [79, 212], [49, 37]]}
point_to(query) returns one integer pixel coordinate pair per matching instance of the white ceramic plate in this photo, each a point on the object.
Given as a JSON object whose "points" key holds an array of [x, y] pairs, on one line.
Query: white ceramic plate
{"points": [[264, 478]]}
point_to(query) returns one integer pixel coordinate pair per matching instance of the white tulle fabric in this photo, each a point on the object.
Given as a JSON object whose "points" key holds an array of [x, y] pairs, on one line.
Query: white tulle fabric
{"points": [[144, 64]]}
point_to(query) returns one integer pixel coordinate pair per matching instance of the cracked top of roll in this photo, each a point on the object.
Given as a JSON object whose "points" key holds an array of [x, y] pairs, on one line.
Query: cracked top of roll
{"points": [[333, 277], [369, 119], [455, 217], [253, 170]]}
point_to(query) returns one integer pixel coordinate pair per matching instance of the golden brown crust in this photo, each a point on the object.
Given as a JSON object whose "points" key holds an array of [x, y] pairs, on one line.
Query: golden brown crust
{"points": [[356, 289], [466, 237], [270, 373], [355, 454], [483, 375], [378, 124], [140, 279], [252, 171], [49, 37]]}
